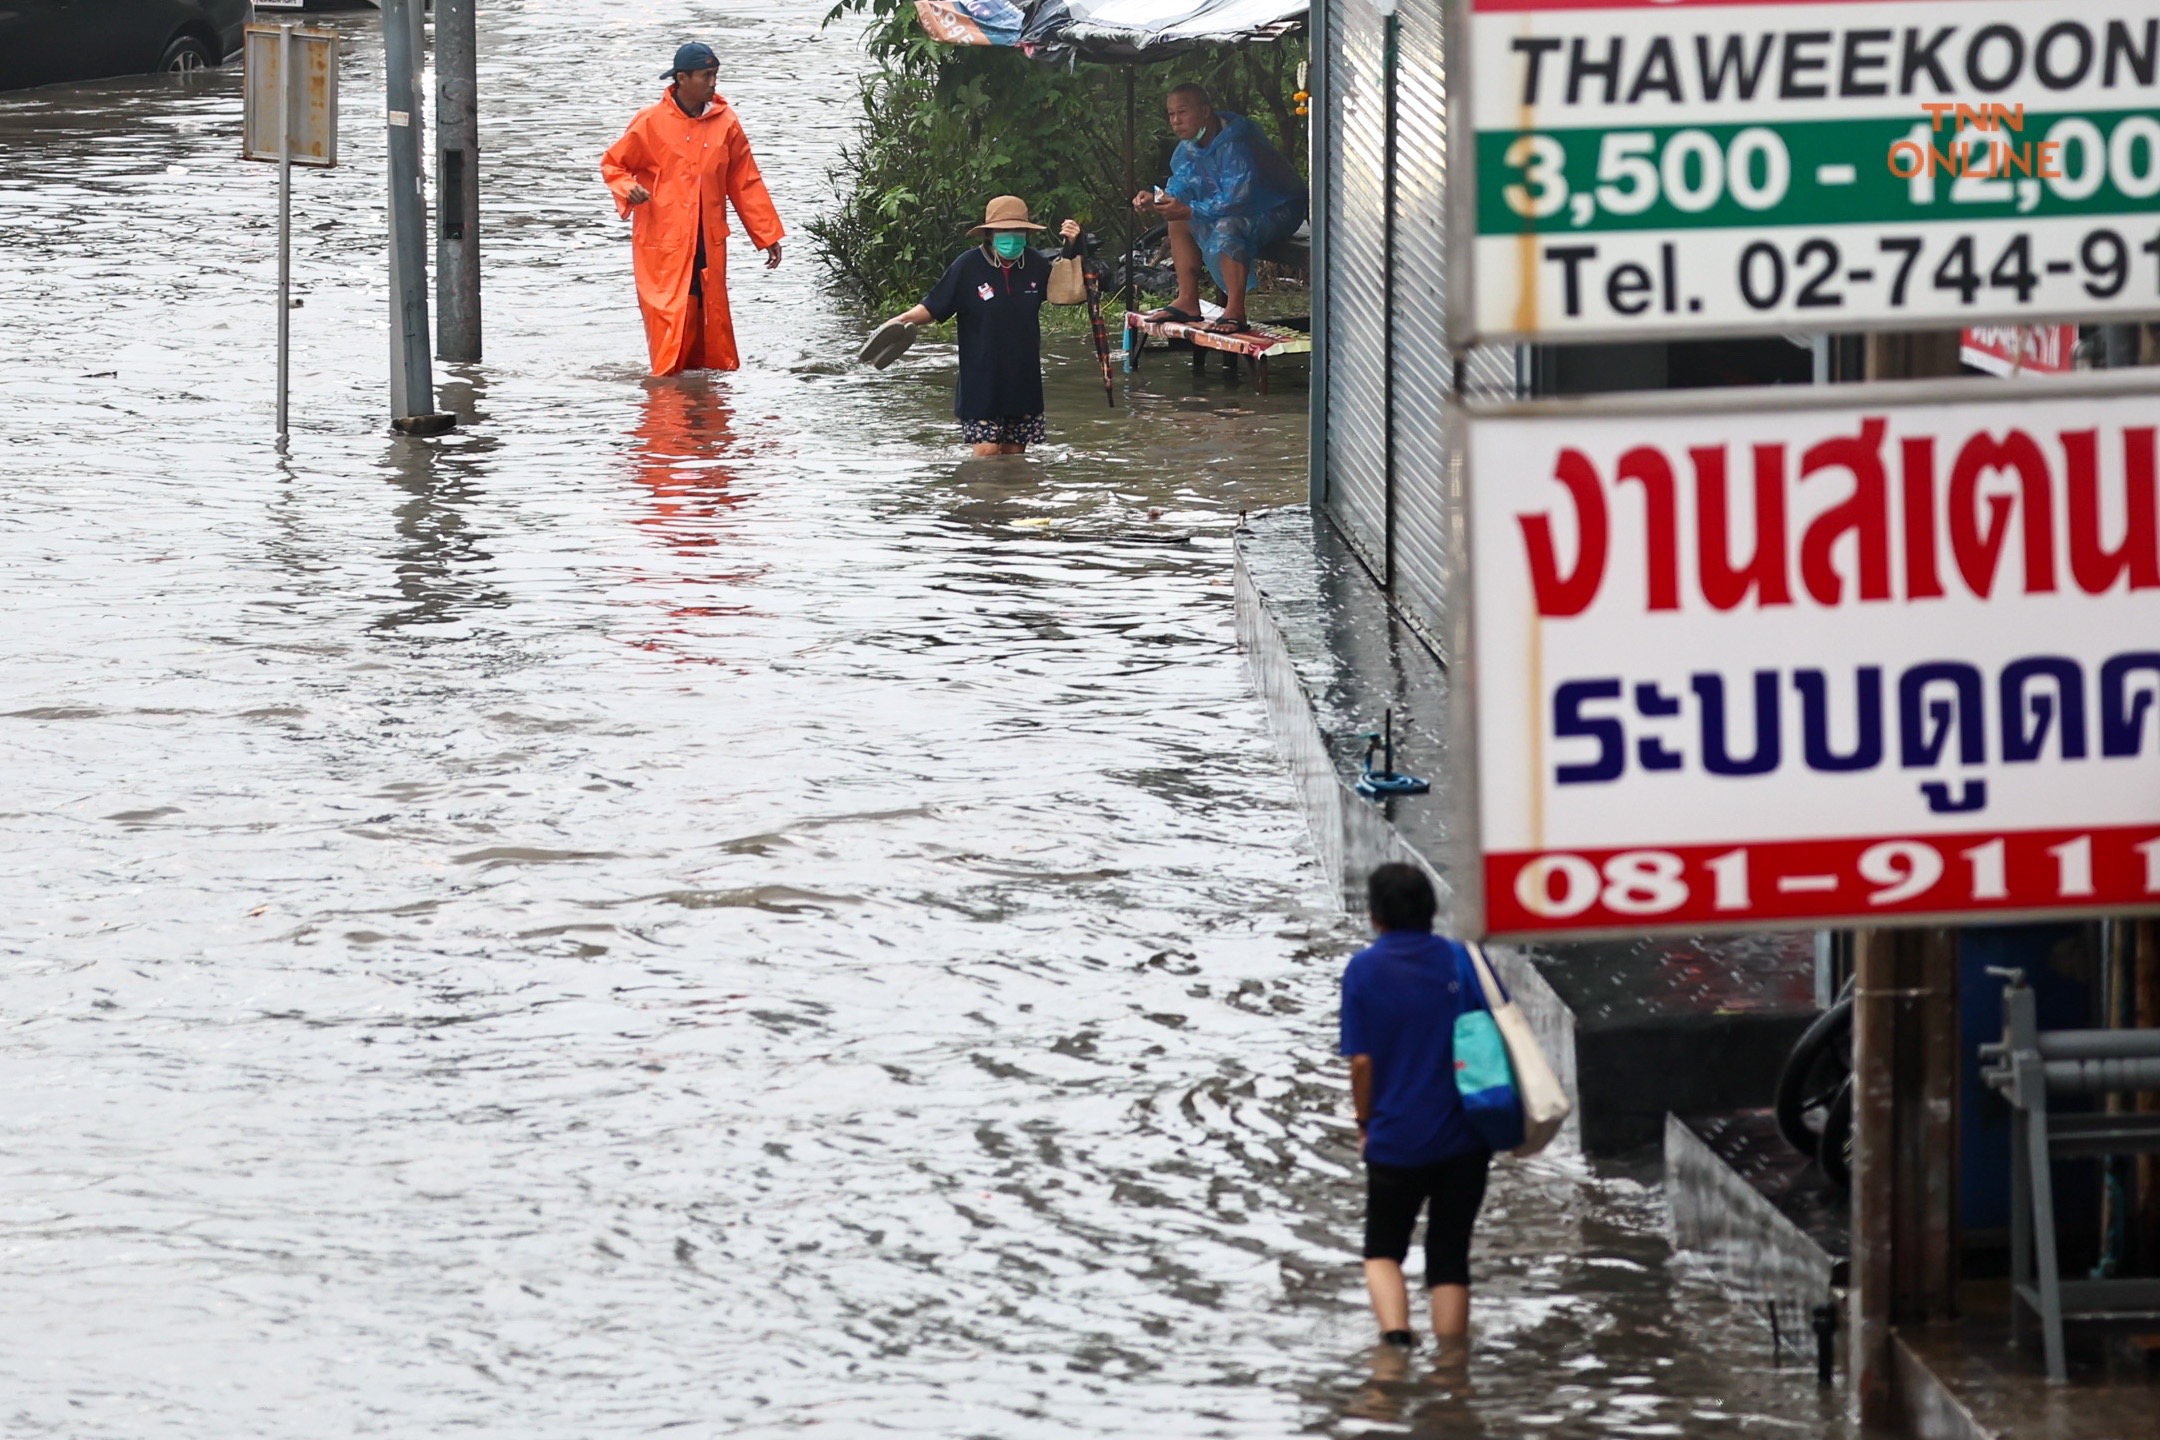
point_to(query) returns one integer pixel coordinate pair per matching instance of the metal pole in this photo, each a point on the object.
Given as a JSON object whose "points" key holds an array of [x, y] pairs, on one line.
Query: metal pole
{"points": [[1320, 149], [412, 377], [284, 224], [2145, 1015], [457, 180], [1132, 229], [1391, 24], [2119, 346]]}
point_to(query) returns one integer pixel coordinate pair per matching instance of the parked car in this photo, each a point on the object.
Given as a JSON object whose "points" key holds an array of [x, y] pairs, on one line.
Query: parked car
{"points": [[49, 42]]}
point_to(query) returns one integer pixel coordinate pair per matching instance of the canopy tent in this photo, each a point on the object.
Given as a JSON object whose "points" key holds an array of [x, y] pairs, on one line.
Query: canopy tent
{"points": [[1116, 32], [1109, 30]]}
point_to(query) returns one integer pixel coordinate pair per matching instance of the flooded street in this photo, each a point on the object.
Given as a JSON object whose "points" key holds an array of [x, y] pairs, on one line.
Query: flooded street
{"points": [[682, 904]]}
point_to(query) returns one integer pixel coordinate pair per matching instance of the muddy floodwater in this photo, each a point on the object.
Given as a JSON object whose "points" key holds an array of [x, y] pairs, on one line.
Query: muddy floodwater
{"points": [[682, 905]]}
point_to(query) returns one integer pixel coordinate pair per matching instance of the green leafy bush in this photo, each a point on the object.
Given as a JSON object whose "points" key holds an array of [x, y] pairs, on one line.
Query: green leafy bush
{"points": [[945, 128]]}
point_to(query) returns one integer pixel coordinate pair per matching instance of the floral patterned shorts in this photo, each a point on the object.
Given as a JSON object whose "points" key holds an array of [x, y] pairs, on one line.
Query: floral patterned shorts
{"points": [[1006, 430]]}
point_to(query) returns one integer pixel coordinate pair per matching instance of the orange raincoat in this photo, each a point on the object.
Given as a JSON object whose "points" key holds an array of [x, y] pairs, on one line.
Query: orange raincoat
{"points": [[691, 166]]}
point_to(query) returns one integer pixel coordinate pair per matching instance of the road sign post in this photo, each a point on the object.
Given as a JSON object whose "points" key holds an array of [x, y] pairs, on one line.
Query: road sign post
{"points": [[290, 118], [1641, 169], [284, 108]]}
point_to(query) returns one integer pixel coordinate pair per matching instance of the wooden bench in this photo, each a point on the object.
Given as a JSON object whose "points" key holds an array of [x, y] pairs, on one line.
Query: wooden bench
{"points": [[1256, 344]]}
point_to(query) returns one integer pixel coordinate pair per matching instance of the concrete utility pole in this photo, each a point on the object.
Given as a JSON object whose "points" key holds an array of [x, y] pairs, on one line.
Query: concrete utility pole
{"points": [[412, 367], [457, 195]]}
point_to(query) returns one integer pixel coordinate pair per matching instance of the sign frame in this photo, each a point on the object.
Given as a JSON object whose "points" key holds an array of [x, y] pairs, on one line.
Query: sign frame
{"points": [[314, 118], [1466, 850], [1460, 225]]}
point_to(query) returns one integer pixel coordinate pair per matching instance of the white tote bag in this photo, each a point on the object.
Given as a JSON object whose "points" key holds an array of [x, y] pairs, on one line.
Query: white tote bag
{"points": [[1544, 1102]]}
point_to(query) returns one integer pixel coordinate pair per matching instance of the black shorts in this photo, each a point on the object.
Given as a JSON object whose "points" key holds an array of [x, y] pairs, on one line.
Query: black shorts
{"points": [[1394, 1195]]}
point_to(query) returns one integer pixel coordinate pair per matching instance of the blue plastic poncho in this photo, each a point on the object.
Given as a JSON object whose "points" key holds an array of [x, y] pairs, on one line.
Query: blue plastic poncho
{"points": [[1244, 193]]}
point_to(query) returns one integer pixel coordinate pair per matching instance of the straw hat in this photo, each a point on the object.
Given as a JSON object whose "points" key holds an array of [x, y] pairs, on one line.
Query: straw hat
{"points": [[1007, 212]]}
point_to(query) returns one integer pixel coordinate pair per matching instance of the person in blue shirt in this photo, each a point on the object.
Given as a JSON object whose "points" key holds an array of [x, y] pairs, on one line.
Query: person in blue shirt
{"points": [[1400, 998], [1231, 194]]}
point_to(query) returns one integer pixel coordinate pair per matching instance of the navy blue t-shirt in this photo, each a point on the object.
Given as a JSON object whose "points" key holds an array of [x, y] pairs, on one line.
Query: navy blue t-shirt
{"points": [[1400, 997], [1000, 308]]}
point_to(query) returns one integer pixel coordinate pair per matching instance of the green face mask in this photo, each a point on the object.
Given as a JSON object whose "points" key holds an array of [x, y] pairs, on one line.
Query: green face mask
{"points": [[1009, 244]]}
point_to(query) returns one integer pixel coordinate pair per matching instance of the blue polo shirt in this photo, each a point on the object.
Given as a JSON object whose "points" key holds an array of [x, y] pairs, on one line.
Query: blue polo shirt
{"points": [[1400, 997]]}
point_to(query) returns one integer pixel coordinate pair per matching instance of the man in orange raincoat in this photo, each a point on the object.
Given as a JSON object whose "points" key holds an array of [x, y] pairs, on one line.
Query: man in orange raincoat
{"points": [[672, 172]]}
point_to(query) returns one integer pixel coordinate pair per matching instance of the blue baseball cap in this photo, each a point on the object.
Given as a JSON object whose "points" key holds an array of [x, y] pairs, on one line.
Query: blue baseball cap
{"points": [[692, 57]]}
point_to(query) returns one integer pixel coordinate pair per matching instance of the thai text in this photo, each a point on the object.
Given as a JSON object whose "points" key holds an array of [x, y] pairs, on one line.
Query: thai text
{"points": [[1913, 519], [1935, 716]]}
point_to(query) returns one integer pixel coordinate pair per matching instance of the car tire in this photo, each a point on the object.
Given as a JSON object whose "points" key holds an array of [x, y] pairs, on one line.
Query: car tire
{"points": [[1819, 1065], [187, 55]]}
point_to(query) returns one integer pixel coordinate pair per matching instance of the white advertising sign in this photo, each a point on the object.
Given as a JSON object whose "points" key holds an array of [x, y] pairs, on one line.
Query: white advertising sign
{"points": [[1891, 652], [1647, 168]]}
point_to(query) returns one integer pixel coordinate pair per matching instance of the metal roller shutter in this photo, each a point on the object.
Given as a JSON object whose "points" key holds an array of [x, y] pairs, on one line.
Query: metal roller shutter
{"points": [[1491, 372], [1357, 366], [1388, 376], [1422, 369]]}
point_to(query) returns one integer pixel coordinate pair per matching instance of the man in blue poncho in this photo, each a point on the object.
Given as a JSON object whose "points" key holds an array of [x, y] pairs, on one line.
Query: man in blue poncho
{"points": [[1230, 195]]}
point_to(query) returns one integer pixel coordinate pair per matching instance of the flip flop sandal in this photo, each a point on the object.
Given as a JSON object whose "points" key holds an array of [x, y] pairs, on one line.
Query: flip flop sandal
{"points": [[1170, 315], [1222, 327], [886, 344]]}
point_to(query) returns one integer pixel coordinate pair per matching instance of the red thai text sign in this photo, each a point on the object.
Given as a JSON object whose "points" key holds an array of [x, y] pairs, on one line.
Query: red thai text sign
{"points": [[2009, 350], [1878, 657]]}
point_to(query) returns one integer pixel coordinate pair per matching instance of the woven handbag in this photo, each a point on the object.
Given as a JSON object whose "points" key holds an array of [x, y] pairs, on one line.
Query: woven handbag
{"points": [[1068, 281]]}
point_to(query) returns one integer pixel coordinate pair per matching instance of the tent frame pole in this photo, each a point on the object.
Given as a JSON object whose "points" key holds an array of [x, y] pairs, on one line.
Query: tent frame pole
{"points": [[1132, 187]]}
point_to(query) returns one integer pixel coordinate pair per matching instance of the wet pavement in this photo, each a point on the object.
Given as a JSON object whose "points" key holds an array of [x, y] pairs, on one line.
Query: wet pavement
{"points": [[682, 904]]}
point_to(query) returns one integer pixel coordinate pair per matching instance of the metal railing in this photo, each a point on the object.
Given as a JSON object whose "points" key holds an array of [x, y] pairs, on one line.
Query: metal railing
{"points": [[2028, 1068]]}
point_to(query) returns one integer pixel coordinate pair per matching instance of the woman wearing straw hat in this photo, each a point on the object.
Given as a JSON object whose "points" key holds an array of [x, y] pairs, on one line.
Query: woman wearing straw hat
{"points": [[997, 289]]}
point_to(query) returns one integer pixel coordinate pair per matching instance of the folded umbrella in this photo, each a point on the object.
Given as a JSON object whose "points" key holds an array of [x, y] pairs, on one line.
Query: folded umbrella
{"points": [[1102, 337]]}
